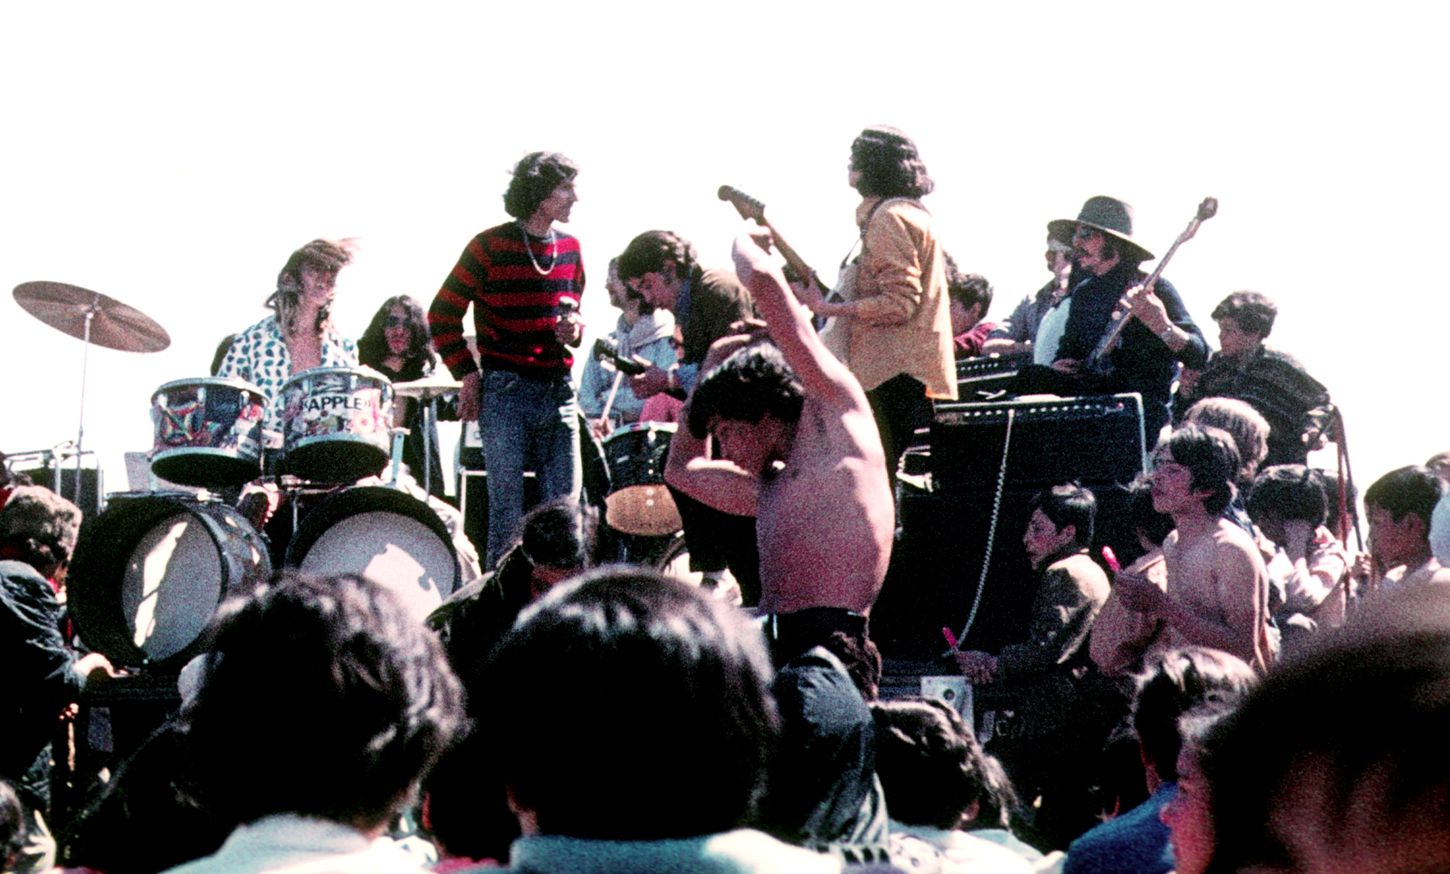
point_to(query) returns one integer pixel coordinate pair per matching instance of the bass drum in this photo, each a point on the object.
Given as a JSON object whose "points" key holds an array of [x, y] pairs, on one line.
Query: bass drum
{"points": [[388, 536], [150, 571]]}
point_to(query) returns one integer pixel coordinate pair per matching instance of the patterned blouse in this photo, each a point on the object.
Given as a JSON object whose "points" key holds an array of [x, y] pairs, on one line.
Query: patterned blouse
{"points": [[259, 355]]}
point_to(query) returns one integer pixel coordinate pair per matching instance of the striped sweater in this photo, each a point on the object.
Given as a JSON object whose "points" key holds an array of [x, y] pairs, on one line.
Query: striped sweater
{"points": [[514, 306]]}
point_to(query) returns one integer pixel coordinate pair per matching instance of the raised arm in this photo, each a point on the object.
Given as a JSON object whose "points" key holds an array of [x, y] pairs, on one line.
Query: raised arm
{"points": [[823, 375], [714, 482]]}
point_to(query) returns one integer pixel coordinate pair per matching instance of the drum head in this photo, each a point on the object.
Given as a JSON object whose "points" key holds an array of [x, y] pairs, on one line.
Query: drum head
{"points": [[647, 511], [386, 535], [149, 573]]}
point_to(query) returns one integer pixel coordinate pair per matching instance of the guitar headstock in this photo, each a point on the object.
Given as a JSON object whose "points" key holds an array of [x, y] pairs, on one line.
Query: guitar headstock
{"points": [[748, 207], [1208, 209]]}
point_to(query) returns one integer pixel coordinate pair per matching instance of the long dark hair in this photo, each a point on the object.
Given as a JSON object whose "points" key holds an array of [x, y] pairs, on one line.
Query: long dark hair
{"points": [[372, 347]]}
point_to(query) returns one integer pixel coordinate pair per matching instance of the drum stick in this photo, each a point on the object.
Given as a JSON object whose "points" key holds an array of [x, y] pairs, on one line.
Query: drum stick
{"points": [[951, 638], [613, 390]]}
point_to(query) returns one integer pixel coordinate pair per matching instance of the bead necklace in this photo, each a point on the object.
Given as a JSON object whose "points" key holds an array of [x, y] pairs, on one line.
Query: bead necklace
{"points": [[553, 252]]}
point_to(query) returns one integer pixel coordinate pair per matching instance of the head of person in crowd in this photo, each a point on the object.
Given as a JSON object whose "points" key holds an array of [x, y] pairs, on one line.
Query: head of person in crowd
{"points": [[559, 539], [1440, 531], [676, 689], [750, 404], [1194, 465], [399, 329], [1060, 520], [1145, 521], [931, 766], [1058, 253], [1440, 464], [1244, 319], [1399, 506], [40, 528], [12, 827], [537, 177], [624, 298], [465, 807], [305, 284], [1189, 814], [320, 697], [885, 163], [656, 265], [970, 295], [1176, 682], [1287, 493], [1246, 425], [1360, 780], [1101, 235]]}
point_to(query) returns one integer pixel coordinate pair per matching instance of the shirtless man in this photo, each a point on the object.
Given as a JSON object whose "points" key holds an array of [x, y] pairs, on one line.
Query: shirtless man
{"points": [[1217, 584], [797, 446]]}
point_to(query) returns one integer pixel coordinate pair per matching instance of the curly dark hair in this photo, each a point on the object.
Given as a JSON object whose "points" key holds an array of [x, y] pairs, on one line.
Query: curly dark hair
{"points": [[340, 657], [372, 347], [652, 250], [889, 164], [535, 177], [1289, 491], [744, 387]]}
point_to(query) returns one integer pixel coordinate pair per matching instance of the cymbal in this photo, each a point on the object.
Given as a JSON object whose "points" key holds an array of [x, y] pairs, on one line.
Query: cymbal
{"points": [[426, 388], [113, 325]]}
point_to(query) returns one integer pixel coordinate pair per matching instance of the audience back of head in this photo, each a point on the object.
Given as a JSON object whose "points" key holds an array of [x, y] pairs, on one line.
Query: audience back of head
{"points": [[637, 709], [1359, 779], [321, 697]]}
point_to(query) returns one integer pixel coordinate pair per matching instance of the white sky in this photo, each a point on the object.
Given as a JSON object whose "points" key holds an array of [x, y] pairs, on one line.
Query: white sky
{"points": [[171, 155]]}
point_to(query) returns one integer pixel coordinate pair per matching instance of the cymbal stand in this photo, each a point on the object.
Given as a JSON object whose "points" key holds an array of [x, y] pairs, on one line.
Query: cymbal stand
{"points": [[81, 426]]}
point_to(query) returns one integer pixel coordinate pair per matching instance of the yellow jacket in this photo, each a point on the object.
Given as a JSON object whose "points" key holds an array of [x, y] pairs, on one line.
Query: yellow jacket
{"points": [[903, 321]]}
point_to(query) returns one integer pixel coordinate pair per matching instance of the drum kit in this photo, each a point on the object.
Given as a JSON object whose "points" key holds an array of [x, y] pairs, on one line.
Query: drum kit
{"points": [[151, 568]]}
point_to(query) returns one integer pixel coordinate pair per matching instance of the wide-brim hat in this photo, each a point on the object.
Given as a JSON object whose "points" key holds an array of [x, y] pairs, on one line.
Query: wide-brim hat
{"points": [[1107, 215]]}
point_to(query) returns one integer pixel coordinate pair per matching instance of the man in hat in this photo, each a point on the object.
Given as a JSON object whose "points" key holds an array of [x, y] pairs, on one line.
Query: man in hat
{"points": [[1109, 283]]}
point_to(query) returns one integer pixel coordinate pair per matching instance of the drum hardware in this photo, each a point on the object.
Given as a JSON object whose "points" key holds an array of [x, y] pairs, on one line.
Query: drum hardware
{"points": [[90, 317], [399, 435], [426, 392]]}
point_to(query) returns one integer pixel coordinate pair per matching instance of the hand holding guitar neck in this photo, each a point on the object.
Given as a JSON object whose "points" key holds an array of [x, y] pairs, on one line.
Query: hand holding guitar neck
{"points": [[750, 208], [1206, 210]]}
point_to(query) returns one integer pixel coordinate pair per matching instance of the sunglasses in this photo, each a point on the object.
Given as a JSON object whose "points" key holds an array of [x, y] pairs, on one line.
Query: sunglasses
{"points": [[396, 322]]}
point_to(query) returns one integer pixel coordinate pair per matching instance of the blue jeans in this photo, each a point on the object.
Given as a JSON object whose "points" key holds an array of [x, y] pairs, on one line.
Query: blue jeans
{"points": [[526, 423]]}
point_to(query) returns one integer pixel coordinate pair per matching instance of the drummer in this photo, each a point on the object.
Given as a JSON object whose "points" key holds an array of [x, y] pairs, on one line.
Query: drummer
{"points": [[298, 335], [642, 330]]}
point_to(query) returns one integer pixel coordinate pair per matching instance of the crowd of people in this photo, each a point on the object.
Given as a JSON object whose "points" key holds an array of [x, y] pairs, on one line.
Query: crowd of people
{"points": [[1248, 689]]}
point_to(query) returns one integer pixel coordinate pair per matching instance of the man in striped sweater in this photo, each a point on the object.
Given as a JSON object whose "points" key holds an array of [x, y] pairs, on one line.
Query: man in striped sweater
{"points": [[523, 279]]}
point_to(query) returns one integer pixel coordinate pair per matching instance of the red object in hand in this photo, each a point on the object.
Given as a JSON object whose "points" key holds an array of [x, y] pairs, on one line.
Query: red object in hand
{"points": [[1112, 559], [951, 638]]}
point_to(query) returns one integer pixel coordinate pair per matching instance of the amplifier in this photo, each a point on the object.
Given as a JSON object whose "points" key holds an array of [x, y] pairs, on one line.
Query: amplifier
{"points": [[987, 375], [1053, 440]]}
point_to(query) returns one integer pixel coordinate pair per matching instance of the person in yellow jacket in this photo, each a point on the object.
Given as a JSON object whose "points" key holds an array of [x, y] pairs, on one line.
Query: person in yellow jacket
{"points": [[890, 317]]}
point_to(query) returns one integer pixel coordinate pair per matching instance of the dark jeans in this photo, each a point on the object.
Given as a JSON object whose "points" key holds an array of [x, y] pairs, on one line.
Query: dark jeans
{"points": [[900, 406], [718, 541]]}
